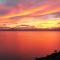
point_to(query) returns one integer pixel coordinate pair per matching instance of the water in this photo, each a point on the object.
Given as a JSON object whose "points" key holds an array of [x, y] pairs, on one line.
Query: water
{"points": [[29, 44]]}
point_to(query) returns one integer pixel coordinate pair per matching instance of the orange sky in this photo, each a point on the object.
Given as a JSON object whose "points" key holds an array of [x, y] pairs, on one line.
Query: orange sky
{"points": [[15, 14], [44, 9]]}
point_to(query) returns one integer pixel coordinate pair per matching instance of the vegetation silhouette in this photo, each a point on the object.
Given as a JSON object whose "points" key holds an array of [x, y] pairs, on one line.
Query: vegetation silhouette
{"points": [[54, 56]]}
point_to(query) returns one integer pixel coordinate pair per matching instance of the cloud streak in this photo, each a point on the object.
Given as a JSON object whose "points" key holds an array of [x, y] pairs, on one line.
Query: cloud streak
{"points": [[28, 12], [22, 8]]}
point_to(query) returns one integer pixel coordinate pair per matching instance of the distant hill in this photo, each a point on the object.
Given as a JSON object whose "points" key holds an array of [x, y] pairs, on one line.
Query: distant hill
{"points": [[28, 29]]}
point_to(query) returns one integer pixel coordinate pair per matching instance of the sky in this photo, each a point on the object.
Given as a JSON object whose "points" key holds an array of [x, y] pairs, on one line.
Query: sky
{"points": [[17, 10]]}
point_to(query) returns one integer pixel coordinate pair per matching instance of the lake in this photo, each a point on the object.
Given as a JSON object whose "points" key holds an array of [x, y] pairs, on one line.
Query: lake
{"points": [[29, 44]]}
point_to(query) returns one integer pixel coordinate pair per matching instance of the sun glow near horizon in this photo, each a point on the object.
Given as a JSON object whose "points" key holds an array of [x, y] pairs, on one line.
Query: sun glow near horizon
{"points": [[51, 23], [36, 22]]}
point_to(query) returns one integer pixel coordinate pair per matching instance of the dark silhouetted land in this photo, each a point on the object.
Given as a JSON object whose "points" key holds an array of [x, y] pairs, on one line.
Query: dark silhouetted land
{"points": [[54, 56], [15, 29]]}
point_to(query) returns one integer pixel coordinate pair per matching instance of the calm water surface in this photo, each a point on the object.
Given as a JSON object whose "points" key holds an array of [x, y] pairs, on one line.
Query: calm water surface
{"points": [[29, 44]]}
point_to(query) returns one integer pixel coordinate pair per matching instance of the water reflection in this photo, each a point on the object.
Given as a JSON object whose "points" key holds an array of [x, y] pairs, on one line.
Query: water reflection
{"points": [[29, 44]]}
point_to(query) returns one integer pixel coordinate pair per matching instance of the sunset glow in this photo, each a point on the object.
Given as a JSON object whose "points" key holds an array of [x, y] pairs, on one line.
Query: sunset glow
{"points": [[40, 15], [29, 29]]}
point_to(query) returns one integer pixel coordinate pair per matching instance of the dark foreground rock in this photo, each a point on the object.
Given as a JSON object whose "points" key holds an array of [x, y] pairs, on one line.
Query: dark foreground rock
{"points": [[53, 56]]}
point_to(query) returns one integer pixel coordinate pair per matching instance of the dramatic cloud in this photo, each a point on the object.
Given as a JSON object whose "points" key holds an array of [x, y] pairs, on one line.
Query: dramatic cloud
{"points": [[33, 8]]}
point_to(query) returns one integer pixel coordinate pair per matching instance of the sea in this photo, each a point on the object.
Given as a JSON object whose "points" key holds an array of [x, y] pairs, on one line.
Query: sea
{"points": [[29, 44]]}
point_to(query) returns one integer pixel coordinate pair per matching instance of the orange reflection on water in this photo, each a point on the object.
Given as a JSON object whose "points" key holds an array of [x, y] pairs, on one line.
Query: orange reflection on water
{"points": [[29, 44]]}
